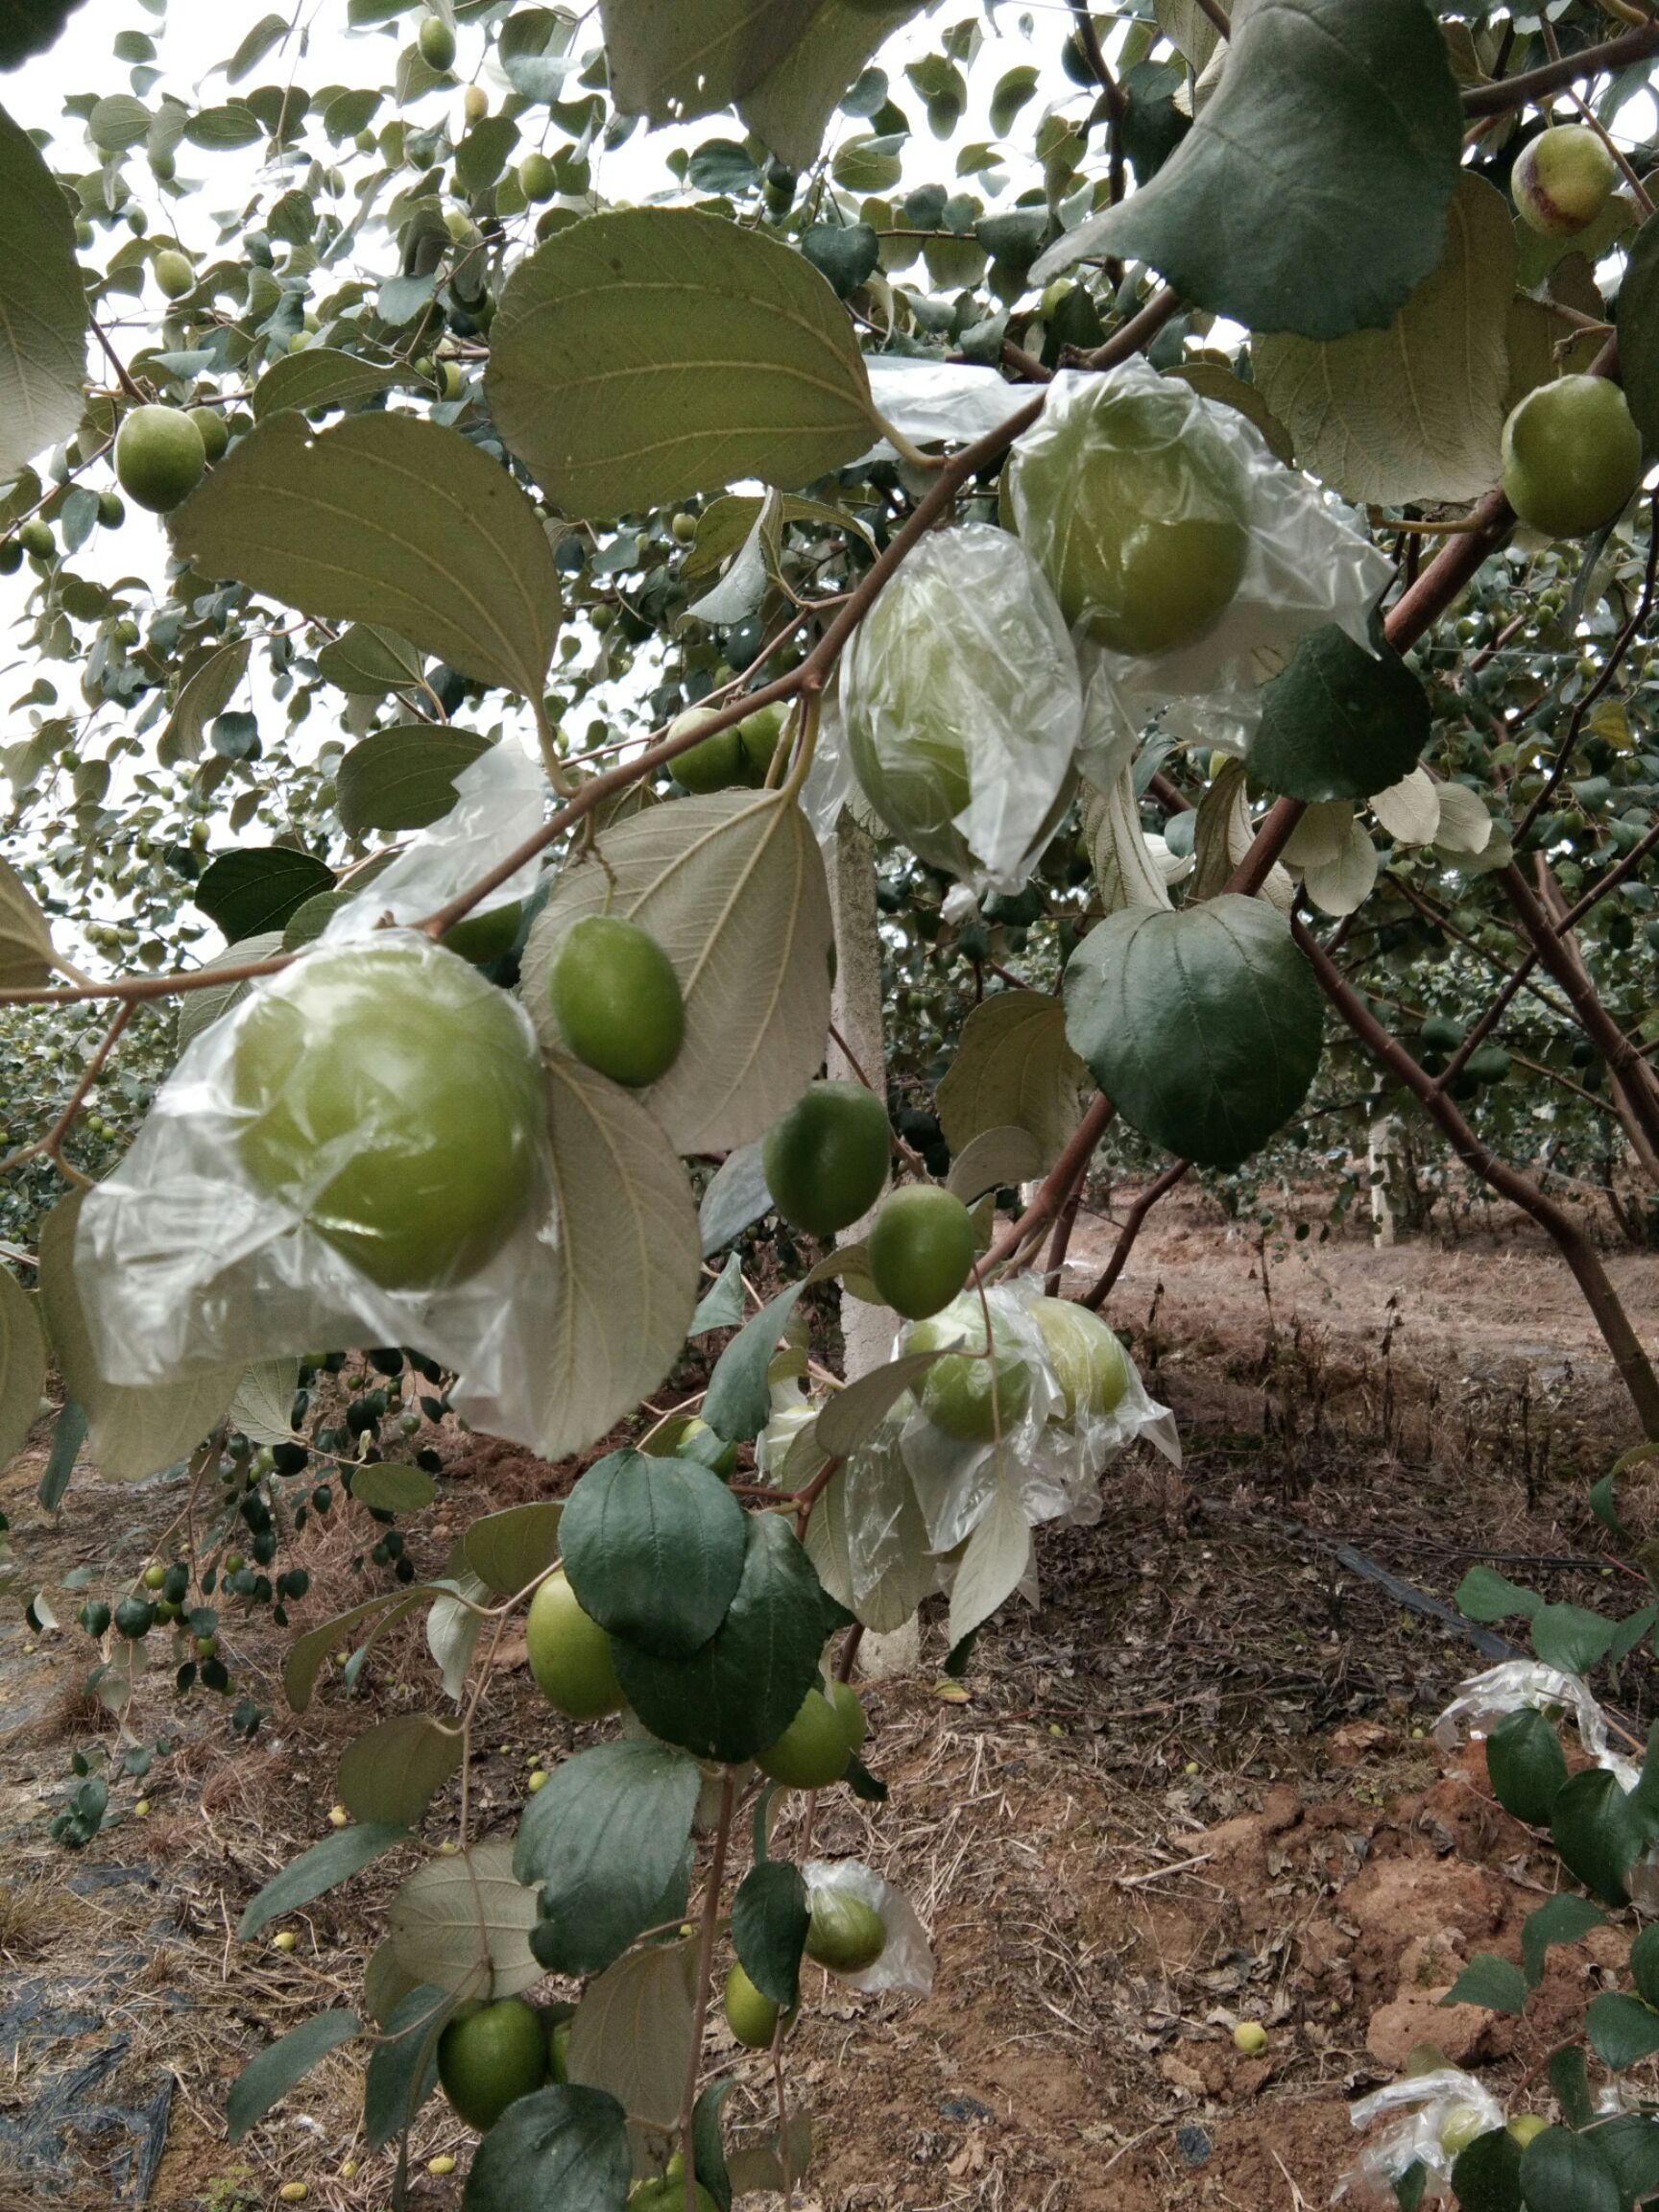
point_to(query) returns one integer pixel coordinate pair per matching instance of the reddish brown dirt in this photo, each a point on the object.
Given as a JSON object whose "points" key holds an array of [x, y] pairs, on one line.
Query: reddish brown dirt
{"points": [[1191, 1789]]}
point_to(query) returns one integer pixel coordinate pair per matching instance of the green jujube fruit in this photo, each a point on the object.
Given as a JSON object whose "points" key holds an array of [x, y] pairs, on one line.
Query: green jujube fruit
{"points": [[488, 2056], [1136, 507], [920, 1249], [844, 1933], [616, 999], [1572, 456], [854, 1720], [1088, 1363], [715, 765], [159, 457], [826, 1159], [393, 1099], [971, 1394], [750, 2014], [570, 1654], [812, 1752]]}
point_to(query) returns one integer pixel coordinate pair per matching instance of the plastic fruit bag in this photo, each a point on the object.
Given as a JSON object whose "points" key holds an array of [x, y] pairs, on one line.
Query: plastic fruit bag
{"points": [[906, 1961], [961, 705], [356, 1153], [1428, 2112]]}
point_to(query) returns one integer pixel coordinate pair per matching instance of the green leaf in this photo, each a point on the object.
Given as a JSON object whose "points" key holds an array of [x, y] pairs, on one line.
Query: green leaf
{"points": [[306, 1660], [1638, 320], [736, 1196], [1339, 722], [1629, 2142], [370, 660], [403, 777], [482, 156], [22, 1365], [604, 1838], [1568, 2080], [465, 1923], [1631, 1630], [1623, 2030], [132, 1431], [1375, 118], [651, 353], [258, 887], [1497, 1984], [391, 1773], [1413, 412], [707, 2145], [741, 1691], [386, 519], [790, 107], [270, 2074], [26, 955], [43, 331], [1485, 1595], [739, 1401], [769, 1922], [1597, 1833], [1486, 2174], [267, 33], [722, 1305], [1568, 1637], [994, 1560], [1562, 1920], [654, 1549], [403, 2067], [1202, 1027], [1013, 1068], [507, 1551], [1561, 2172], [393, 1486], [199, 1010], [68, 1434], [993, 1158], [631, 2034], [670, 63], [1644, 1962], [118, 122], [335, 1859], [868, 1540], [219, 128], [845, 253], [1409, 2187], [1526, 1765], [854, 1415], [627, 1258], [565, 2146], [321, 376]]}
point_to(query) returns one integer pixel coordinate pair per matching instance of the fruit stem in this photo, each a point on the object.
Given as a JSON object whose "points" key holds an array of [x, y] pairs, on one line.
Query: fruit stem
{"points": [[705, 1970]]}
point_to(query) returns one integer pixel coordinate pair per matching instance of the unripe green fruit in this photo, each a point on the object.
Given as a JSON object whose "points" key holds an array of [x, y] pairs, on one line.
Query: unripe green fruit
{"points": [[616, 1000], [971, 1397], [559, 2048], [826, 1159], [1526, 2127], [570, 1654], [474, 103], [489, 2057], [1136, 508], [717, 763], [1572, 456], [393, 1098], [750, 2014], [215, 435], [159, 457], [758, 734], [668, 2195], [451, 382], [683, 528], [536, 178], [36, 537], [1088, 1363], [849, 1709], [154, 1575], [484, 937], [920, 1249], [687, 1436], [10, 556], [844, 1933], [1563, 178], [175, 272], [437, 43], [1460, 2126], [94, 1617], [811, 1752]]}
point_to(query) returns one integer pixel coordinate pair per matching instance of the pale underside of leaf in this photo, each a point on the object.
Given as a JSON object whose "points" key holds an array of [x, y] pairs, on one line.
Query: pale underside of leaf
{"points": [[631, 2031], [464, 1923], [43, 306], [1014, 1068], [23, 1364]]}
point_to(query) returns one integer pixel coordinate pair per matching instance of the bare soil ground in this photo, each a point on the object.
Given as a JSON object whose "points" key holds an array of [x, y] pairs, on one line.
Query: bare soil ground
{"points": [[1194, 1788]]}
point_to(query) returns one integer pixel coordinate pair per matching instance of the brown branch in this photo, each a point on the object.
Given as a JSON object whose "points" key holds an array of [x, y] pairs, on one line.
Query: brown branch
{"points": [[1614, 877], [1065, 1221], [1137, 334], [1217, 16], [1159, 1187], [1554, 75], [122, 375], [1068, 1169], [705, 1968], [1116, 107]]}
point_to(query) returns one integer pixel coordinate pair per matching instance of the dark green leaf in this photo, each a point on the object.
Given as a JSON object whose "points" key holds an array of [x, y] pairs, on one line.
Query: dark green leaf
{"points": [[1603, 1505], [403, 2067], [403, 777], [68, 1434], [1629, 1632], [736, 1196], [1526, 1764], [670, 63], [1566, 2077], [844, 253], [1644, 1962], [1597, 1833], [769, 1919], [654, 1549], [254, 47], [564, 2147], [393, 1486], [721, 1306], [321, 376], [605, 1837], [708, 2147], [258, 887], [484, 153], [335, 1859], [1622, 2030], [1203, 1027], [740, 1401], [1562, 1920], [1340, 722], [1568, 1637], [392, 1772], [272, 2071], [1629, 2142], [1408, 2187], [1485, 1595], [742, 1690], [1487, 1979], [218, 128], [1486, 2174], [1637, 316], [370, 660], [507, 1551], [43, 333], [386, 519], [1376, 117], [1561, 2172]]}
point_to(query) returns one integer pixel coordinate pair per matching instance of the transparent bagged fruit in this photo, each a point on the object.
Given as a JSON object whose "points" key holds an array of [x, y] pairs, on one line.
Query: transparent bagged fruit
{"points": [[1427, 2114], [961, 705], [1188, 559], [905, 1964]]}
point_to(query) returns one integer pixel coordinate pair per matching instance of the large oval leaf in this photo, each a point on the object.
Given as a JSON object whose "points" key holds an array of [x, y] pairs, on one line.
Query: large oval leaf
{"points": [[628, 1258], [732, 888], [669, 62], [259, 887], [26, 955], [632, 2032], [322, 376], [653, 352], [1233, 219], [43, 315], [389, 520], [464, 1924], [392, 1772], [23, 1364], [1339, 722], [654, 1549], [403, 777], [1202, 1027], [564, 2145], [1013, 1069]]}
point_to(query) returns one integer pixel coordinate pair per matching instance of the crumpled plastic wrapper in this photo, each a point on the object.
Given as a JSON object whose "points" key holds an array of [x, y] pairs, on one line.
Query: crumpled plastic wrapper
{"points": [[932, 402], [907, 1964], [1418, 2109], [1486, 1699], [185, 1263], [1308, 566], [961, 705]]}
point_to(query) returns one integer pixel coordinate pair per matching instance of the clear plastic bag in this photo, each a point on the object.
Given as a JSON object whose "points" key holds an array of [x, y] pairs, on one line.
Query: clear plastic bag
{"points": [[1515, 1683], [906, 1961], [262, 1210], [939, 402], [1307, 564], [962, 704], [500, 799], [1419, 2107]]}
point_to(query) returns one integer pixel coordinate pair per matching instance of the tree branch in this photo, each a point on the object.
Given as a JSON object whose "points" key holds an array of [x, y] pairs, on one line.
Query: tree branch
{"points": [[1159, 1187], [1554, 75], [705, 1968]]}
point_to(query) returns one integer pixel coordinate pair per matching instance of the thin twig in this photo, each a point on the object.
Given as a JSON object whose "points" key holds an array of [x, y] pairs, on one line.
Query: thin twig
{"points": [[705, 1968], [1159, 1187]]}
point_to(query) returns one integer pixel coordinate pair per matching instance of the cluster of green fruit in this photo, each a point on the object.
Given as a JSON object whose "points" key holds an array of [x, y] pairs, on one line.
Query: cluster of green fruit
{"points": [[981, 1385], [491, 2055], [161, 454], [738, 757]]}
